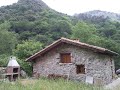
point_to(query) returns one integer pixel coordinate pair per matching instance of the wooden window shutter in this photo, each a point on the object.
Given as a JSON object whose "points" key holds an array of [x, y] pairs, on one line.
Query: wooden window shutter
{"points": [[65, 57]]}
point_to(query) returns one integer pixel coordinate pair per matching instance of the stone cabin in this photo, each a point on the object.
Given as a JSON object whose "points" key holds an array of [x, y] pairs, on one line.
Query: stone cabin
{"points": [[74, 60]]}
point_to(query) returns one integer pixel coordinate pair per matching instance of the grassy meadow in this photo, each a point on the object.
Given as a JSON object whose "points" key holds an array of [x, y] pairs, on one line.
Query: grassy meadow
{"points": [[46, 84]]}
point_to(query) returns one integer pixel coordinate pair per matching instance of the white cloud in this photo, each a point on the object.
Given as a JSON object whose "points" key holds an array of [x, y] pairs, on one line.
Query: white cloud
{"points": [[77, 6], [7, 2]]}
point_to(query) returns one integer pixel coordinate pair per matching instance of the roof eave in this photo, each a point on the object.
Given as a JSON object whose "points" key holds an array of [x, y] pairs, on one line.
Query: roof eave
{"points": [[43, 50], [99, 49], [111, 52]]}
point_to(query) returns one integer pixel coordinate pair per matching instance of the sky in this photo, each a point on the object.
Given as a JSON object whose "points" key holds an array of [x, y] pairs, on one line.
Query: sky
{"points": [[72, 7]]}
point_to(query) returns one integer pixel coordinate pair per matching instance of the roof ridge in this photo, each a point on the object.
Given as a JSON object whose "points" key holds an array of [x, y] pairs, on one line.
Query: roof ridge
{"points": [[83, 43], [77, 43]]}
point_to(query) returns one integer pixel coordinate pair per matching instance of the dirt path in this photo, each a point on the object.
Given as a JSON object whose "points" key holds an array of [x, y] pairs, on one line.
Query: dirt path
{"points": [[113, 85]]}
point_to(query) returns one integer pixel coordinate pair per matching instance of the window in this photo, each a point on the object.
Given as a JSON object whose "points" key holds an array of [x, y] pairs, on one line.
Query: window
{"points": [[15, 70], [80, 69], [65, 58]]}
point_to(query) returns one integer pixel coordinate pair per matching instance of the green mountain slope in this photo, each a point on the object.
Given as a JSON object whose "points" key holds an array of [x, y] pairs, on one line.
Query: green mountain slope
{"points": [[29, 25], [29, 18], [24, 9], [108, 27], [98, 13]]}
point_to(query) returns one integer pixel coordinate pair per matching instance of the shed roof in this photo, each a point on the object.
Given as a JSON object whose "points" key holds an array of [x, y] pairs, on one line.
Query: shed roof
{"points": [[72, 42], [13, 63]]}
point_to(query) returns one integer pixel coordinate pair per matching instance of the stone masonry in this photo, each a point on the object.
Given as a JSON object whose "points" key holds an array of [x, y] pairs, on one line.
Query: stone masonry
{"points": [[97, 65]]}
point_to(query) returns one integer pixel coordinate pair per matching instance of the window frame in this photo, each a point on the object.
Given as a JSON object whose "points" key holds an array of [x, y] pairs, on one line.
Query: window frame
{"points": [[80, 69], [62, 55]]}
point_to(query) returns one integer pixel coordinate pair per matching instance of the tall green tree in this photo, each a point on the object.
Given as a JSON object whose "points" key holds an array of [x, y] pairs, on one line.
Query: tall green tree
{"points": [[83, 31], [27, 48], [60, 29], [8, 39], [24, 50]]}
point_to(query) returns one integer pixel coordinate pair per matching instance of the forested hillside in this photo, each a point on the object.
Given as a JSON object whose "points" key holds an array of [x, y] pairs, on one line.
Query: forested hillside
{"points": [[98, 13], [108, 27], [30, 25]]}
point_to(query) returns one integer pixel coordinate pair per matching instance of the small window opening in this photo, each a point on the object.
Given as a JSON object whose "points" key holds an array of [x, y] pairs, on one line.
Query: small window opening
{"points": [[15, 77], [15, 70], [65, 58], [80, 69]]}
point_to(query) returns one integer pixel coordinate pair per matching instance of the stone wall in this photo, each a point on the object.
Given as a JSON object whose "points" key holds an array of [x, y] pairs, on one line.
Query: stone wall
{"points": [[98, 66], [2, 72]]}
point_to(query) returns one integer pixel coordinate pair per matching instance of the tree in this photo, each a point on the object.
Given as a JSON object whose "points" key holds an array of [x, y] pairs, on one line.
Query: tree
{"points": [[4, 59], [60, 29], [46, 40], [108, 29], [83, 31], [24, 50], [27, 48], [7, 39], [116, 37]]}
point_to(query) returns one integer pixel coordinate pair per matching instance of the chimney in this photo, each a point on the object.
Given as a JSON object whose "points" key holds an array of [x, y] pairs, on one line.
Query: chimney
{"points": [[76, 40]]}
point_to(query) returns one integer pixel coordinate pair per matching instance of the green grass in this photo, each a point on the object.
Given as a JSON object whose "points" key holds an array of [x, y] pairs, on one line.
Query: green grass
{"points": [[46, 84]]}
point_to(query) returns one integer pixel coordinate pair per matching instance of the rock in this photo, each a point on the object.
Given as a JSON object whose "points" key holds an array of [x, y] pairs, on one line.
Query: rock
{"points": [[118, 71], [23, 74]]}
